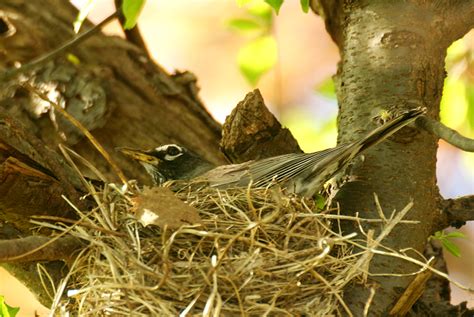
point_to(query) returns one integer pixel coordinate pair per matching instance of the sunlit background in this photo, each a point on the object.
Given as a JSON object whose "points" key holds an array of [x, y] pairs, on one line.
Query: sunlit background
{"points": [[214, 39]]}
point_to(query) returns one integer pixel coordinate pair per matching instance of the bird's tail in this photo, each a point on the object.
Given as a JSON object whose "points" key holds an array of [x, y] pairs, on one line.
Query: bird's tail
{"points": [[381, 133]]}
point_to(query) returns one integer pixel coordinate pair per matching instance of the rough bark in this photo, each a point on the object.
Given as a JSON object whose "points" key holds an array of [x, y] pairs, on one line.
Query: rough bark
{"points": [[457, 211], [252, 132], [392, 57], [115, 91]]}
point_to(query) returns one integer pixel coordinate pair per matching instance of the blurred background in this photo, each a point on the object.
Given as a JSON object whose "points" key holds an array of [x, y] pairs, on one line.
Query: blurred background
{"points": [[291, 59]]}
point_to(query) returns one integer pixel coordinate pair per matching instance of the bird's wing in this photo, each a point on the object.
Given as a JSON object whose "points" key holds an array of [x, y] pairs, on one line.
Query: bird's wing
{"points": [[278, 169], [303, 173], [299, 166], [225, 175]]}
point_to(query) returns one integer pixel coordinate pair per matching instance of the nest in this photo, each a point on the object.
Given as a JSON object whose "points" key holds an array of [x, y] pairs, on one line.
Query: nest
{"points": [[253, 252]]}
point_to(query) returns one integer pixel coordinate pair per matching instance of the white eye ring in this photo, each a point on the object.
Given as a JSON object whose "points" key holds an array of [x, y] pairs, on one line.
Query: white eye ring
{"points": [[172, 157], [169, 157]]}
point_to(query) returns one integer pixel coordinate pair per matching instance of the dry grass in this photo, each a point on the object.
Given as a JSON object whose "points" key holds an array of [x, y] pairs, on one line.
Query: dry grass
{"points": [[256, 252]]}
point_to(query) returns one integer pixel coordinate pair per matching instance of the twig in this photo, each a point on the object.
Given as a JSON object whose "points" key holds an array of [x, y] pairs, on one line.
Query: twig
{"points": [[443, 132], [79, 125], [369, 301], [57, 51], [80, 223], [132, 35], [38, 248]]}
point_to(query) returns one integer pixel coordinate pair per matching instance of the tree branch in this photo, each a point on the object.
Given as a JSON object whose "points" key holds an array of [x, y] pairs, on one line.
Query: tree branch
{"points": [[132, 35], [43, 59], [458, 210], [252, 132], [459, 17], [435, 300], [38, 248], [443, 132]]}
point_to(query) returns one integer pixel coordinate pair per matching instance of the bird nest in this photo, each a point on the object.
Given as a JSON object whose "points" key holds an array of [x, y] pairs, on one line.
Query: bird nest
{"points": [[248, 252]]}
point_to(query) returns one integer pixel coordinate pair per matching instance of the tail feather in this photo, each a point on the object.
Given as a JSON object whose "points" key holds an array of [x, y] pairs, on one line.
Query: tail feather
{"points": [[334, 161], [383, 132]]}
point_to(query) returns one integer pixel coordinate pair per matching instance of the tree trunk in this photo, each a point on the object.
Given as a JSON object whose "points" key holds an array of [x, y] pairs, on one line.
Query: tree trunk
{"points": [[392, 57], [114, 90]]}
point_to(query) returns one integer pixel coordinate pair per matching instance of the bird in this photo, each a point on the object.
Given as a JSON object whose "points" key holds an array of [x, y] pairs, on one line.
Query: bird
{"points": [[302, 173]]}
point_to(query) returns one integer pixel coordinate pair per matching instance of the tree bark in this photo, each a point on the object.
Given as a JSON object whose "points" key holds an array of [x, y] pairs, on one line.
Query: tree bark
{"points": [[115, 91], [392, 57], [110, 86]]}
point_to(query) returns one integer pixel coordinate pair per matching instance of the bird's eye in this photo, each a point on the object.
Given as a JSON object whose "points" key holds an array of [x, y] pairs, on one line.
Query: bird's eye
{"points": [[173, 150]]}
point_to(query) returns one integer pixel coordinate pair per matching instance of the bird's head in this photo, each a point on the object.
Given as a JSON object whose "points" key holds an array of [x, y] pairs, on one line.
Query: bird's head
{"points": [[169, 162]]}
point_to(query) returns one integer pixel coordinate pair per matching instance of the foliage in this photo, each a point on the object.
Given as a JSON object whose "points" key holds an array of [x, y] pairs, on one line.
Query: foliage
{"points": [[326, 88], [312, 134], [275, 4], [447, 243], [260, 54], [131, 10], [6, 310], [244, 25], [257, 57], [73, 59], [84, 11], [457, 103], [304, 5]]}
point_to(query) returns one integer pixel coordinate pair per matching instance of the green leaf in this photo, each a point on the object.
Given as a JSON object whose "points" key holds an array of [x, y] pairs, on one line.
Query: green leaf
{"points": [[320, 201], [446, 241], [241, 3], [312, 135], [275, 4], [438, 235], [131, 10], [451, 247], [327, 88], [454, 234], [257, 57], [244, 25], [6, 310], [261, 10], [454, 104], [470, 102], [73, 59], [82, 15], [304, 5], [456, 51]]}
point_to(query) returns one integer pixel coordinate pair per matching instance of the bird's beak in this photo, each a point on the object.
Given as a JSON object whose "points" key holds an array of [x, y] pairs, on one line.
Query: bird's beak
{"points": [[138, 155]]}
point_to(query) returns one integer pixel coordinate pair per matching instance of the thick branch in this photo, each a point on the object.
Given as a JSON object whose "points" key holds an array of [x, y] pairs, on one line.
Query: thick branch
{"points": [[28, 273], [458, 17], [25, 191], [458, 210], [17, 141], [62, 49], [443, 132], [252, 132], [38, 248]]}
